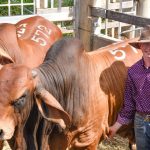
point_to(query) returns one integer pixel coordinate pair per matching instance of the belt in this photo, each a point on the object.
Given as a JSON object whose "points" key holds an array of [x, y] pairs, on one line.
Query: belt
{"points": [[145, 115]]}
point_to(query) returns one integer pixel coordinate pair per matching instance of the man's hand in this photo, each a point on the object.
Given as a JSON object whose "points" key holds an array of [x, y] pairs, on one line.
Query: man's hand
{"points": [[113, 129]]}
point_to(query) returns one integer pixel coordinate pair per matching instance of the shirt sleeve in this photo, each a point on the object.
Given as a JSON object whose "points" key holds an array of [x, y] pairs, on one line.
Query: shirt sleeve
{"points": [[127, 112]]}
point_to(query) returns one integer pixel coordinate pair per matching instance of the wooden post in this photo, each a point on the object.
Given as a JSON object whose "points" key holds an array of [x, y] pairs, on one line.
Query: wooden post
{"points": [[37, 4], [143, 8], [85, 24], [44, 4], [52, 3], [76, 18]]}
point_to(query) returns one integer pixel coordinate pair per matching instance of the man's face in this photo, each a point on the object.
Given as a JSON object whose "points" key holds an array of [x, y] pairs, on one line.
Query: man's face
{"points": [[145, 47]]}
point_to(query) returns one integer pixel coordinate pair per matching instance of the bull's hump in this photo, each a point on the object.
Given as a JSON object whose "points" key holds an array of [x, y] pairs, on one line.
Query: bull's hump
{"points": [[65, 48]]}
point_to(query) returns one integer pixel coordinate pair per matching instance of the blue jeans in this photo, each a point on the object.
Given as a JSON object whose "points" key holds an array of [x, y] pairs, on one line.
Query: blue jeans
{"points": [[142, 133]]}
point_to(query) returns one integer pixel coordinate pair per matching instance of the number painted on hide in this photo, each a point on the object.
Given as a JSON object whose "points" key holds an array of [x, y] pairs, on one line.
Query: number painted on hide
{"points": [[122, 52], [21, 29], [121, 57], [42, 30]]}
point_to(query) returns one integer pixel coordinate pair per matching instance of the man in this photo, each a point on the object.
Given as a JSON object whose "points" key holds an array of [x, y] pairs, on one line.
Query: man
{"points": [[137, 95]]}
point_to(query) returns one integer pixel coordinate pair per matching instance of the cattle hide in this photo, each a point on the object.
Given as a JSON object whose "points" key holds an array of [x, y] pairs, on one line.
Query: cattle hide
{"points": [[77, 95], [89, 86], [27, 42]]}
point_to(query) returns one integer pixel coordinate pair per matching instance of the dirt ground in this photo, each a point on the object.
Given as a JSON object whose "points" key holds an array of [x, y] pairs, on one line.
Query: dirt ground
{"points": [[117, 143]]}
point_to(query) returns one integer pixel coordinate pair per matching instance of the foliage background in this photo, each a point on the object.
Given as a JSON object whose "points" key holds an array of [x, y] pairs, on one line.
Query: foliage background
{"points": [[27, 9], [15, 10]]}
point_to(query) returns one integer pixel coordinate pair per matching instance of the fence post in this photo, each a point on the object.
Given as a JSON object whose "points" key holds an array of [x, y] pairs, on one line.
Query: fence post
{"points": [[85, 25], [143, 8], [44, 4], [37, 4]]}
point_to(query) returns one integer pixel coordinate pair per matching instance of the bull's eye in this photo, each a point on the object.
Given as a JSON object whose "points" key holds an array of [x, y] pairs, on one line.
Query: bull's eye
{"points": [[20, 102]]}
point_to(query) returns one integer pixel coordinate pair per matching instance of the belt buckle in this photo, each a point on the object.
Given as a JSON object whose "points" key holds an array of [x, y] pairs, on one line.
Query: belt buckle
{"points": [[147, 118]]}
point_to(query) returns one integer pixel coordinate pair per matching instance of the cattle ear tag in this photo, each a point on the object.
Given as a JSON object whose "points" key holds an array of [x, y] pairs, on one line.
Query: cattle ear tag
{"points": [[34, 73]]}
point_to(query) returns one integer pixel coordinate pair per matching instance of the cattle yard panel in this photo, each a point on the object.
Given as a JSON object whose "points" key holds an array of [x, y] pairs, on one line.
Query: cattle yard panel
{"points": [[113, 28], [50, 9], [58, 13], [123, 18], [103, 22], [89, 25]]}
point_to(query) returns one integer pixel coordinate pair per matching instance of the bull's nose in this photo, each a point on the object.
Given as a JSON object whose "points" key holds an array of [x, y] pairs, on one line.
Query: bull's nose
{"points": [[1, 133]]}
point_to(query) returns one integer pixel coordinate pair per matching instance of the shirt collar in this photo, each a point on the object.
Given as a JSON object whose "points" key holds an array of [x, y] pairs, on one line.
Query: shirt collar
{"points": [[142, 62]]}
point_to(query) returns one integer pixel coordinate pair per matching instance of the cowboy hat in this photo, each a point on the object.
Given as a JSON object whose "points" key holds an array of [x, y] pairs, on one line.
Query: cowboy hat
{"points": [[144, 37]]}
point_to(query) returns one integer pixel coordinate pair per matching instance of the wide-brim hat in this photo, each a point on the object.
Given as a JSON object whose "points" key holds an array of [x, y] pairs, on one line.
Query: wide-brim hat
{"points": [[144, 37]]}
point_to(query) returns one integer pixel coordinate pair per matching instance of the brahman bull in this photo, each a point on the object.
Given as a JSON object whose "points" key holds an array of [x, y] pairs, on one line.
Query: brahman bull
{"points": [[27, 41], [69, 101]]}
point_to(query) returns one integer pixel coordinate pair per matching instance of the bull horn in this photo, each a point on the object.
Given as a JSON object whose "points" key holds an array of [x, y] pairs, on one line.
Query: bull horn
{"points": [[4, 54], [34, 73], [1, 66]]}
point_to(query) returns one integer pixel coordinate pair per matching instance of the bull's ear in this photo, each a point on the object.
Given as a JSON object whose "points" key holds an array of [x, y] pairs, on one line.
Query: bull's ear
{"points": [[51, 109]]}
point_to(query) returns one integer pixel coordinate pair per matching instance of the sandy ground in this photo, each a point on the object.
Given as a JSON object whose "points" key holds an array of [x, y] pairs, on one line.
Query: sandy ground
{"points": [[117, 143]]}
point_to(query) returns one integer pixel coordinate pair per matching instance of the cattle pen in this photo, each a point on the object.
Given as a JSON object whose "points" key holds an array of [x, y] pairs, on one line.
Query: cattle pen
{"points": [[96, 22], [102, 23]]}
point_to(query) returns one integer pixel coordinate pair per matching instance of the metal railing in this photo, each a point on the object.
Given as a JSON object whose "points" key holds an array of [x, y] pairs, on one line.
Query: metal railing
{"points": [[22, 8], [110, 27]]}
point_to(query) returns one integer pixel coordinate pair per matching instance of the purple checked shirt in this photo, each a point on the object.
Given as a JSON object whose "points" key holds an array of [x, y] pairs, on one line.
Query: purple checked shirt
{"points": [[137, 93]]}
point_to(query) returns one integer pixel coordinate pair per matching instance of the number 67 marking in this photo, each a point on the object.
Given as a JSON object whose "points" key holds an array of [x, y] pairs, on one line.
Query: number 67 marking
{"points": [[114, 52], [123, 54]]}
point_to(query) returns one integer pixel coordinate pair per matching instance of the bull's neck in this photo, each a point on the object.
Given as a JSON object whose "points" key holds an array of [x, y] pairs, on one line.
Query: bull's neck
{"points": [[51, 78], [68, 84]]}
